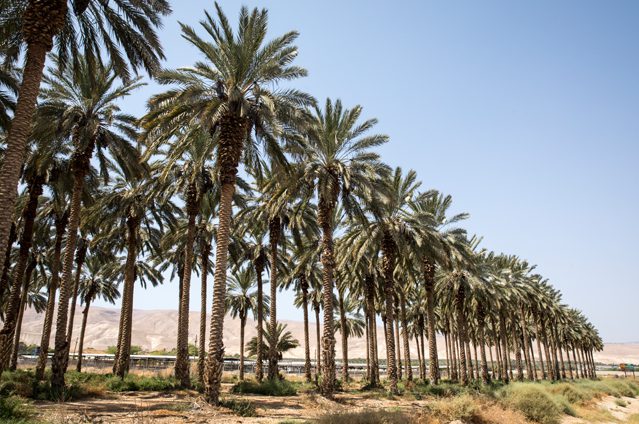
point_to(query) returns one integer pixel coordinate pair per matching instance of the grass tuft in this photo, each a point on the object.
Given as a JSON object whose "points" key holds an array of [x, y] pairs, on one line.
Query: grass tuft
{"points": [[243, 408], [364, 417], [265, 388]]}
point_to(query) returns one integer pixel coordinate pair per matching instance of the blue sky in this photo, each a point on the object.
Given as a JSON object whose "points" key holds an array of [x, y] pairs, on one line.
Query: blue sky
{"points": [[526, 112]]}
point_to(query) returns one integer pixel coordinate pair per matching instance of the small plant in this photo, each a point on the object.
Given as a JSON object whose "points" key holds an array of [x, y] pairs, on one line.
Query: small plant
{"points": [[265, 388], [364, 417], [243, 408], [463, 408], [621, 402], [15, 409]]}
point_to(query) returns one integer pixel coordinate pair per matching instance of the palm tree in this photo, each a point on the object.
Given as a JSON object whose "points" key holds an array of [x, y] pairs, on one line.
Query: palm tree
{"points": [[285, 341], [240, 301], [41, 162], [90, 27], [336, 163], [229, 94], [185, 172], [441, 238], [94, 285], [131, 207], [83, 105]]}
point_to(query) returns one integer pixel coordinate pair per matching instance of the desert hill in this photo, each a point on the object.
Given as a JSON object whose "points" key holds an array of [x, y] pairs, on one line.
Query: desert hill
{"points": [[157, 329]]}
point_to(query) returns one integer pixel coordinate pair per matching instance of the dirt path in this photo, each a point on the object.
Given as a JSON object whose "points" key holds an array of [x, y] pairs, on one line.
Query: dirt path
{"points": [[607, 410]]}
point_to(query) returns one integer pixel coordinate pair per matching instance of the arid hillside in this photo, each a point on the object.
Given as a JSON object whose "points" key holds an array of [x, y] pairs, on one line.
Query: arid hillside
{"points": [[155, 330]]}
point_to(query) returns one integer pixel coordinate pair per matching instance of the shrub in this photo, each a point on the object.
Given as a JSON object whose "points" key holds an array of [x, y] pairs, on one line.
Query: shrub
{"points": [[133, 383], [462, 408], [15, 409], [621, 402], [266, 388], [364, 417], [533, 402], [243, 408]]}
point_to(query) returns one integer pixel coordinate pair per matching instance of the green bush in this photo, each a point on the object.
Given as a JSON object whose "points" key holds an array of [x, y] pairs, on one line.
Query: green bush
{"points": [[133, 383], [532, 401], [14, 409], [243, 408], [463, 408], [365, 417], [266, 388]]}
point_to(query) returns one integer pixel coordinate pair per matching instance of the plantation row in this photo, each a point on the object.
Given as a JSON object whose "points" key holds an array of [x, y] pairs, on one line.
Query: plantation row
{"points": [[108, 201]]}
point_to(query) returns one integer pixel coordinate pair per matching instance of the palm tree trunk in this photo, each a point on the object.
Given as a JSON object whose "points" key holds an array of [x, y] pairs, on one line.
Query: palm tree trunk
{"points": [[80, 163], [307, 347], [539, 352], [461, 329], [242, 325], [42, 20], [469, 360], [60, 228], [79, 260], [369, 283], [485, 378], [344, 334], [407, 361], [275, 228], [419, 357], [319, 342], [232, 130], [4, 278], [259, 268], [504, 347], [532, 359], [7, 334], [569, 364], [423, 342], [182, 365], [389, 250], [126, 314], [205, 251], [428, 269], [398, 354], [448, 359], [85, 315], [325, 217], [23, 305], [517, 348]]}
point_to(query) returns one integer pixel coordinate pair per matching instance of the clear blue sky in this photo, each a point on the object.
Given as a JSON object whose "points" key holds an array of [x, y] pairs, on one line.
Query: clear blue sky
{"points": [[526, 112]]}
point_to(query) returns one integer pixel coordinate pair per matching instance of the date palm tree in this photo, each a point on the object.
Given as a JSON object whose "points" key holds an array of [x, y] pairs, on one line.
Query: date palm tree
{"points": [[337, 166], [285, 341], [121, 30], [94, 285], [242, 300], [83, 104], [229, 93], [129, 206]]}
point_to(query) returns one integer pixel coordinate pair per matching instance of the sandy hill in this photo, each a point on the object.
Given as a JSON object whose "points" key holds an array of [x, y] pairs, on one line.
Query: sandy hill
{"points": [[157, 329]]}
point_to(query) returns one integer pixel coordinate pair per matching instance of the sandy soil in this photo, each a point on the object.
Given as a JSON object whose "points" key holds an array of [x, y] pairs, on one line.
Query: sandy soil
{"points": [[606, 410]]}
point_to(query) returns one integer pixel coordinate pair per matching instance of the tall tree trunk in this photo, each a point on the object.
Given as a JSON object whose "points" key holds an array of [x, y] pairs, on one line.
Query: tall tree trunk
{"points": [[485, 378], [205, 251], [461, 329], [80, 164], [407, 360], [42, 20], [524, 332], [419, 357], [274, 229], [422, 329], [369, 287], [4, 278], [325, 218], [389, 250], [318, 366], [7, 333], [85, 316], [126, 314], [259, 268], [307, 348], [398, 353], [539, 352], [23, 305], [504, 347], [517, 348], [448, 358], [60, 228], [233, 131], [242, 326], [344, 334], [429, 286], [79, 260], [182, 364]]}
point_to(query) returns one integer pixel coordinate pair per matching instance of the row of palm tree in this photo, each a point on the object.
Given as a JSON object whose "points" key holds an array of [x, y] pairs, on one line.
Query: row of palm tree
{"points": [[132, 199]]}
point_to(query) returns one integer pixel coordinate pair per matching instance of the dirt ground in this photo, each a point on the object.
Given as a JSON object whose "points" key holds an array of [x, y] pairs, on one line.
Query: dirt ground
{"points": [[189, 407]]}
